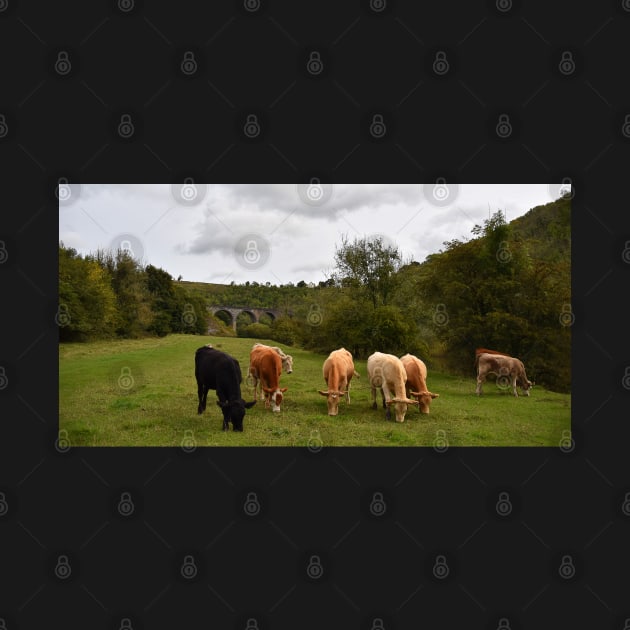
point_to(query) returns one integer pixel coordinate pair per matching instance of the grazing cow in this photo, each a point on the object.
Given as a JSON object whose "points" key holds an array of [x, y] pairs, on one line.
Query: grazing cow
{"points": [[287, 364], [338, 370], [287, 359], [479, 351], [506, 368], [388, 372], [265, 366], [220, 371], [416, 384]]}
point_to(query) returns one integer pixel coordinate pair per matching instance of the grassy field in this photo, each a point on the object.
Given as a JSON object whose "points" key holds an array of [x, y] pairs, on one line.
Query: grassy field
{"points": [[144, 393]]}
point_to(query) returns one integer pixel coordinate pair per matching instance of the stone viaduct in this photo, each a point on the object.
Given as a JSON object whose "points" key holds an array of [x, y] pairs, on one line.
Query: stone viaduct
{"points": [[254, 313]]}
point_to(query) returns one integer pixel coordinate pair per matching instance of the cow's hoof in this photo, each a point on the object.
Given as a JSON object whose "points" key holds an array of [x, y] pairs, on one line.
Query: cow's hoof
{"points": [[374, 406]]}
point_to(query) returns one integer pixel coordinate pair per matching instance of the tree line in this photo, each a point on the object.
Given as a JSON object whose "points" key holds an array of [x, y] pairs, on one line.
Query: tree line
{"points": [[110, 294]]}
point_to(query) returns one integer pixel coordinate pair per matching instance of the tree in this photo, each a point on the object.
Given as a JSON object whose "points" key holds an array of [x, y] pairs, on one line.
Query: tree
{"points": [[86, 297], [164, 301], [368, 265], [132, 296], [286, 330]]}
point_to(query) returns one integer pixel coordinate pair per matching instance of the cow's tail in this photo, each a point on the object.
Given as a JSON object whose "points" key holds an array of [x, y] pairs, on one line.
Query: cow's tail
{"points": [[356, 374]]}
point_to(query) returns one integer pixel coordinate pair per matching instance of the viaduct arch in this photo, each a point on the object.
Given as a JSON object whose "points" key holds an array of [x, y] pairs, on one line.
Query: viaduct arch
{"points": [[235, 311]]}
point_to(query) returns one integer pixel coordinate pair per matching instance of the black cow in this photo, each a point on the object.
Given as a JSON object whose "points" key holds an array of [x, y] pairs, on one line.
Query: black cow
{"points": [[220, 371]]}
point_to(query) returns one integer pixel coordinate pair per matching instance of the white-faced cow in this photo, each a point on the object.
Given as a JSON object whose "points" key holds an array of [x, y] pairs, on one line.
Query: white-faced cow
{"points": [[220, 371], [265, 366], [387, 372], [416, 384], [338, 370], [508, 369]]}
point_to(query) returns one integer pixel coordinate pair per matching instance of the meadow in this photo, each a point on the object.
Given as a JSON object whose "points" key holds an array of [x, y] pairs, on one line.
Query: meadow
{"points": [[143, 393]]}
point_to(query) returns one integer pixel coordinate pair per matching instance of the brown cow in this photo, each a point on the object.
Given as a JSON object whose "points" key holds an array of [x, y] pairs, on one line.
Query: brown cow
{"points": [[338, 370], [509, 369], [287, 359], [416, 384], [266, 365]]}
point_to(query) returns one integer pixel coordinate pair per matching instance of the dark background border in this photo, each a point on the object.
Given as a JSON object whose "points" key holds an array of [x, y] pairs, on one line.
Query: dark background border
{"points": [[61, 508]]}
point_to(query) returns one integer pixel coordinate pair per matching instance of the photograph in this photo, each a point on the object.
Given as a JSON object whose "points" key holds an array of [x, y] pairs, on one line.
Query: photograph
{"points": [[315, 315]]}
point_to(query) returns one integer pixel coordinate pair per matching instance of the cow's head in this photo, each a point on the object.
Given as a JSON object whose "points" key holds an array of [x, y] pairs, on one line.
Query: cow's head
{"points": [[234, 412], [424, 400], [522, 381], [287, 363], [274, 397], [400, 407], [332, 398], [525, 385]]}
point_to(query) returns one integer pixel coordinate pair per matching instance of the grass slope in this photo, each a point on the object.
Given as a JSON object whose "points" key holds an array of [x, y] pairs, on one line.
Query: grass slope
{"points": [[144, 393]]}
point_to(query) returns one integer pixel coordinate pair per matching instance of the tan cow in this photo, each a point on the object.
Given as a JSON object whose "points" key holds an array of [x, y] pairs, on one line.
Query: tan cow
{"points": [[479, 351], [416, 384], [508, 369], [387, 372], [338, 370], [265, 366]]}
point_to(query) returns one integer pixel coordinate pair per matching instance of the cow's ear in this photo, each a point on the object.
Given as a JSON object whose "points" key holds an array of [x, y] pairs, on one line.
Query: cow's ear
{"points": [[323, 393], [249, 405], [434, 395], [284, 389]]}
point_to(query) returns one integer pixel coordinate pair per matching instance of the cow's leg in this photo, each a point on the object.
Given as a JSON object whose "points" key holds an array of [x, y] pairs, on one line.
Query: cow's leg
{"points": [[346, 386], [385, 394], [479, 381], [514, 386], [202, 393], [373, 393]]}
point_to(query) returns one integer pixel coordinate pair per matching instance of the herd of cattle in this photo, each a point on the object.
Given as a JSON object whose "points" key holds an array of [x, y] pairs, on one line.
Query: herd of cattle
{"points": [[402, 381]]}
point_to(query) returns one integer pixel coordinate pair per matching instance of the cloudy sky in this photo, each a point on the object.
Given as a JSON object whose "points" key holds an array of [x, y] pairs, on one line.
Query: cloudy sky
{"points": [[276, 233]]}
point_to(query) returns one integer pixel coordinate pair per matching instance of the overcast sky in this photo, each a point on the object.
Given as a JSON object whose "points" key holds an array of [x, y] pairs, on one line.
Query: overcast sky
{"points": [[277, 233]]}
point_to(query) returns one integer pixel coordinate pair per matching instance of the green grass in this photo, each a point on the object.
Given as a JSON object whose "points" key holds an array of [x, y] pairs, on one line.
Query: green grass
{"points": [[144, 393]]}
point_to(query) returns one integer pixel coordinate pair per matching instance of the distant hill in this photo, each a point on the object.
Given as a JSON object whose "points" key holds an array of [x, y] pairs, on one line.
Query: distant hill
{"points": [[546, 230], [206, 290]]}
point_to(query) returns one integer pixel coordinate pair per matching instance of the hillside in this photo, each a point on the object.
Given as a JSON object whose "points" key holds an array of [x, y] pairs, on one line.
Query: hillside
{"points": [[546, 230]]}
